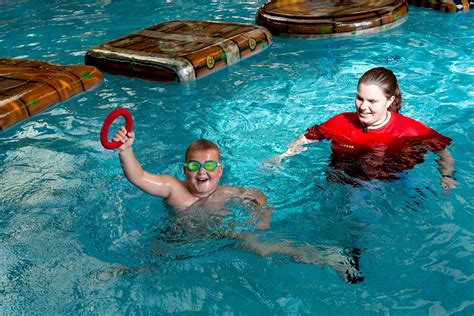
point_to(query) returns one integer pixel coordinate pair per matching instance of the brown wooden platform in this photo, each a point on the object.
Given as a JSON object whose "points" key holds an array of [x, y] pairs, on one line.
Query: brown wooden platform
{"points": [[179, 51], [28, 86], [452, 6], [330, 18]]}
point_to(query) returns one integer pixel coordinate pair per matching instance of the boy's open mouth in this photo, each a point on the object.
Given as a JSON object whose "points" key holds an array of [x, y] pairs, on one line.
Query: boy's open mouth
{"points": [[202, 179]]}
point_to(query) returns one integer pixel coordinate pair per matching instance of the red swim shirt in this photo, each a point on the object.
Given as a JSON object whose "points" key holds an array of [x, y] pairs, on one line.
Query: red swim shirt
{"points": [[378, 153]]}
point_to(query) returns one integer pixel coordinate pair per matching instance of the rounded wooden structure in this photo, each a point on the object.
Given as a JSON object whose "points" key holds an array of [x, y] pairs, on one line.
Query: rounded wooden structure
{"points": [[179, 51], [28, 86], [452, 6], [330, 18]]}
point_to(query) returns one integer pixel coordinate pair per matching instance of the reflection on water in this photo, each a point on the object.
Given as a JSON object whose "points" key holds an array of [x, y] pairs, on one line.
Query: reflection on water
{"points": [[197, 231]]}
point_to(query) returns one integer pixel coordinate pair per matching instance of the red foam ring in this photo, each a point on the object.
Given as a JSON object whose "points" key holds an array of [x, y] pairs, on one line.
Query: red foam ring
{"points": [[104, 132]]}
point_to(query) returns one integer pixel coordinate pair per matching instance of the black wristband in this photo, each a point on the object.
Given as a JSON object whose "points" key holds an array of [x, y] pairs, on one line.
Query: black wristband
{"points": [[451, 175]]}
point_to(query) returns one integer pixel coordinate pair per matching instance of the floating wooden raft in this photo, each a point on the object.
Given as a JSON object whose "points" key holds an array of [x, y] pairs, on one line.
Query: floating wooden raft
{"points": [[444, 5], [179, 51], [28, 86], [329, 18]]}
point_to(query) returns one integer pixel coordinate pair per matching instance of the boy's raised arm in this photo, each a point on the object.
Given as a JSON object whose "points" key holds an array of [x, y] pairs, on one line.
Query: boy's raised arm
{"points": [[158, 185]]}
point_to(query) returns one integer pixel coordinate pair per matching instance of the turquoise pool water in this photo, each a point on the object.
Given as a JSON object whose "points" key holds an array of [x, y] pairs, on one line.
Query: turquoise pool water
{"points": [[68, 217]]}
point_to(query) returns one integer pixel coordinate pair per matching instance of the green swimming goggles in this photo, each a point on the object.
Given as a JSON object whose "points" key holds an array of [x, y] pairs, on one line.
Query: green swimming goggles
{"points": [[209, 165]]}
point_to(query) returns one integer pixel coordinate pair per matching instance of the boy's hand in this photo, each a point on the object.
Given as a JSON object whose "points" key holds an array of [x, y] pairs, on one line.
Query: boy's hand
{"points": [[125, 137], [265, 219]]}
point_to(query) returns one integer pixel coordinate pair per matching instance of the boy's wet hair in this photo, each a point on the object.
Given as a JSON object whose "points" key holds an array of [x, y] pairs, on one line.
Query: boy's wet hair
{"points": [[202, 145], [385, 79]]}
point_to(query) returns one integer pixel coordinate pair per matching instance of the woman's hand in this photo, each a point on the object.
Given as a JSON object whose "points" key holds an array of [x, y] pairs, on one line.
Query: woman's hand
{"points": [[124, 137], [273, 162], [294, 148], [448, 182]]}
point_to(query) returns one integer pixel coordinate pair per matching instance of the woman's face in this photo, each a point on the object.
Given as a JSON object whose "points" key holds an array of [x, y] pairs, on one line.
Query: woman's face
{"points": [[371, 104]]}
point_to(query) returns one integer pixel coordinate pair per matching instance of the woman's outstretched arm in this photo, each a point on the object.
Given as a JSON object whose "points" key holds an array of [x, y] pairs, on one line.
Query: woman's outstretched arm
{"points": [[294, 148], [446, 168]]}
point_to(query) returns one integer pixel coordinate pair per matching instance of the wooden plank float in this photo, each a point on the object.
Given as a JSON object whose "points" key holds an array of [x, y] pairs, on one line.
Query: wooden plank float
{"points": [[330, 18], [27, 87], [452, 6], [179, 51]]}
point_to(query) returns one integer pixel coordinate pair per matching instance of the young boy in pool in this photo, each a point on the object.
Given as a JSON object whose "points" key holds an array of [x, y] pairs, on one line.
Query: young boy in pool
{"points": [[201, 190]]}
